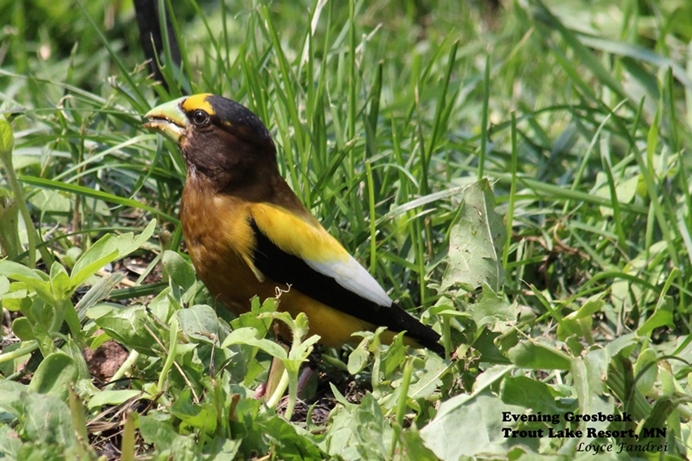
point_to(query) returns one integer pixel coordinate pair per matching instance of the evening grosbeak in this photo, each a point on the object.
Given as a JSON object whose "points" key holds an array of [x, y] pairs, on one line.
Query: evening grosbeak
{"points": [[248, 234]]}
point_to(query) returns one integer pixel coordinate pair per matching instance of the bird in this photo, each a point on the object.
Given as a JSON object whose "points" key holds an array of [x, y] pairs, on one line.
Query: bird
{"points": [[248, 234]]}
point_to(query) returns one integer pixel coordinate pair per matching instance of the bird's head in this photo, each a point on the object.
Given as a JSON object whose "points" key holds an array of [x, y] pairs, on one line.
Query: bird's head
{"points": [[221, 140]]}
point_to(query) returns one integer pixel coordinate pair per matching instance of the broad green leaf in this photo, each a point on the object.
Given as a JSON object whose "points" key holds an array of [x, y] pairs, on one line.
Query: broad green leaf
{"points": [[158, 431], [199, 416], [492, 308], [535, 355], [93, 260], [55, 375], [415, 447], [529, 393], [47, 419], [254, 318], [395, 355], [76, 352], [51, 201], [470, 425], [10, 442], [287, 440], [23, 329], [358, 359], [16, 271], [4, 285], [108, 249], [17, 299], [128, 326], [40, 287], [163, 306], [485, 343], [178, 270], [580, 321], [225, 449], [646, 370], [130, 242], [358, 431], [200, 322], [662, 316], [250, 336], [590, 307], [624, 344], [475, 243], [10, 392], [60, 282], [589, 374], [429, 378]]}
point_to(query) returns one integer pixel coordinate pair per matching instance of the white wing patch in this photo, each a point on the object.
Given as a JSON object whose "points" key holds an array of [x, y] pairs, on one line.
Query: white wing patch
{"points": [[351, 275]]}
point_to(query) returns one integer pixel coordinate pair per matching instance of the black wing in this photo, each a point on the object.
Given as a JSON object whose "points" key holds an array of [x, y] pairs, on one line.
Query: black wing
{"points": [[282, 267]]}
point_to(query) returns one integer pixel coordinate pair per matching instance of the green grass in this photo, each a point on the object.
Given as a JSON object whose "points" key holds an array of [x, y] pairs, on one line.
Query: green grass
{"points": [[563, 290]]}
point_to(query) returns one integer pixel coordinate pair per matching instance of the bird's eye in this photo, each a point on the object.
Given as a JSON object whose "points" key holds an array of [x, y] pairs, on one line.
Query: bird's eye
{"points": [[200, 118]]}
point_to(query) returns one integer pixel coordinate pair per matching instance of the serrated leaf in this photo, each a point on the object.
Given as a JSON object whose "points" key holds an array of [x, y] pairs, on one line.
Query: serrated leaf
{"points": [[475, 243], [469, 425], [492, 308], [358, 431]]}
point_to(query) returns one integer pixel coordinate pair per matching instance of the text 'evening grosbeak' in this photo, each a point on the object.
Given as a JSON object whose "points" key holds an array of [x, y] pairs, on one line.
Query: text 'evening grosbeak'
{"points": [[248, 234]]}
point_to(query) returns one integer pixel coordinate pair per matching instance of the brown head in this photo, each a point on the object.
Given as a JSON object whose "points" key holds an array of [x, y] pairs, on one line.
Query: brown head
{"points": [[222, 141]]}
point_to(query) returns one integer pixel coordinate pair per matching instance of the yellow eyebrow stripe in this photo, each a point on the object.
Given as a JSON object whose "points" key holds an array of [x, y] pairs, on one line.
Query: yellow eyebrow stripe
{"points": [[198, 101]]}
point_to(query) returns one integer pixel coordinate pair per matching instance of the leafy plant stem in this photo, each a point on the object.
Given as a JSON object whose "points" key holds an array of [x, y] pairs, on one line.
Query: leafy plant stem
{"points": [[18, 192], [124, 368], [279, 391], [401, 404], [27, 348]]}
